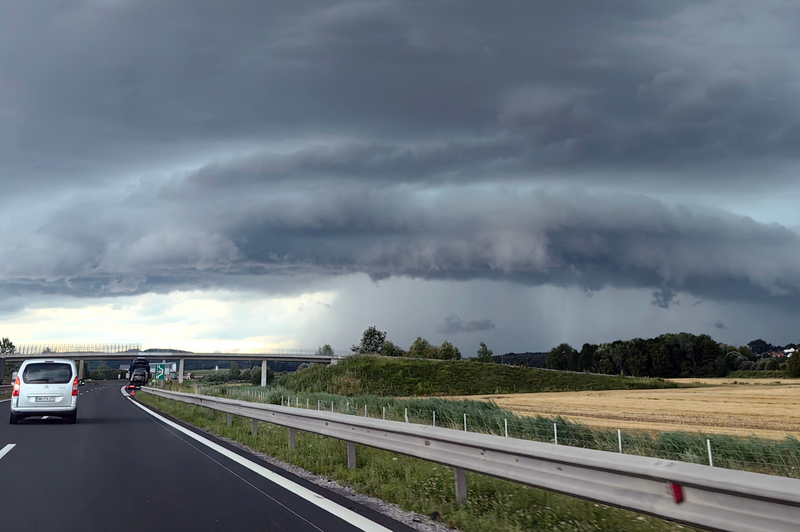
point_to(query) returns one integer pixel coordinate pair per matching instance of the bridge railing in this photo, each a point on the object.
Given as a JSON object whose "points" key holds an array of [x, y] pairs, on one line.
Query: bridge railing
{"points": [[136, 349], [697, 495], [43, 349]]}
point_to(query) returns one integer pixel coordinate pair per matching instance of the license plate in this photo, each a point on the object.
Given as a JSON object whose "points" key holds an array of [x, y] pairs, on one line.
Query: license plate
{"points": [[45, 399]]}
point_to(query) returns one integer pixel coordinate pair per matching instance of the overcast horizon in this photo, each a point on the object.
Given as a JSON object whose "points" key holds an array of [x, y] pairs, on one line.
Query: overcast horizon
{"points": [[206, 175]]}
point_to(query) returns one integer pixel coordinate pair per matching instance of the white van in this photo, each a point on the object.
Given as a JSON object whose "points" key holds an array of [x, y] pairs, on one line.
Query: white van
{"points": [[45, 387]]}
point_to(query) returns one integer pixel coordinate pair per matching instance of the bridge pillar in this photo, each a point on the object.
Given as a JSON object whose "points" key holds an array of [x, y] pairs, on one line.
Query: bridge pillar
{"points": [[80, 369], [264, 372], [2, 368], [180, 372]]}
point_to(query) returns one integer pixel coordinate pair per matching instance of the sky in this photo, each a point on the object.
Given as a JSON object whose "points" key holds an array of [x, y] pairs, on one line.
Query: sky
{"points": [[209, 175]]}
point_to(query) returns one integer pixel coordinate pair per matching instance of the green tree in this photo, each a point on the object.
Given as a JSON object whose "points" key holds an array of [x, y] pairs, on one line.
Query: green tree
{"points": [[560, 356], [371, 342], [255, 376], [325, 351], [448, 352], [431, 351], [793, 365], [391, 350], [6, 347], [485, 354], [417, 349], [586, 360], [234, 373]]}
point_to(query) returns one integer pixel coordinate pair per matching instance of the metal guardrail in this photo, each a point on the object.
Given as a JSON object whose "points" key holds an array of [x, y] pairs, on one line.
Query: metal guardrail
{"points": [[696, 495]]}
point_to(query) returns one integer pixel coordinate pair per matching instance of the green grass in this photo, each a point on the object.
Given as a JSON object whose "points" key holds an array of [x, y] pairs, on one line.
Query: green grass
{"points": [[493, 505], [5, 395], [405, 377], [776, 457]]}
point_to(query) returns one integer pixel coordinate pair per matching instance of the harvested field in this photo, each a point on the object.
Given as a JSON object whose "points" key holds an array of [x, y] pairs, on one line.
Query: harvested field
{"points": [[740, 409]]}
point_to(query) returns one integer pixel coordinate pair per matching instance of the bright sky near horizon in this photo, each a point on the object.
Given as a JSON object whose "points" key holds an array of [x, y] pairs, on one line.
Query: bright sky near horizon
{"points": [[193, 175]]}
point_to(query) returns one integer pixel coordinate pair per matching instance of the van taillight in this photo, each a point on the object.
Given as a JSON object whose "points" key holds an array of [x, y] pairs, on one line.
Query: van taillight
{"points": [[75, 386], [15, 393]]}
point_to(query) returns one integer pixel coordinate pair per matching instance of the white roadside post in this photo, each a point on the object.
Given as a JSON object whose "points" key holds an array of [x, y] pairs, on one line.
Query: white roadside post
{"points": [[384, 412], [264, 370], [434, 418], [555, 433], [406, 415], [710, 459], [180, 371], [465, 422], [506, 423], [619, 437]]}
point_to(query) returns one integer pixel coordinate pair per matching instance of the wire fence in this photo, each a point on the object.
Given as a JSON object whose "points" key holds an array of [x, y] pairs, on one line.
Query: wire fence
{"points": [[775, 457]]}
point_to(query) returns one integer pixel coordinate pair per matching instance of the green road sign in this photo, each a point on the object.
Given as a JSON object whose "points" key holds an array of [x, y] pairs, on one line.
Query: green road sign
{"points": [[161, 372]]}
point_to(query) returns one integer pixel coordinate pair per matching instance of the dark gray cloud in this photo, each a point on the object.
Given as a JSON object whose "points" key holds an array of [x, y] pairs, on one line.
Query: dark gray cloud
{"points": [[150, 146], [719, 325], [454, 325], [411, 90], [149, 241]]}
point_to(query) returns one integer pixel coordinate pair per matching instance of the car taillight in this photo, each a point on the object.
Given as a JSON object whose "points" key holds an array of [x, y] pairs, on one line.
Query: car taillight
{"points": [[16, 388], [75, 386]]}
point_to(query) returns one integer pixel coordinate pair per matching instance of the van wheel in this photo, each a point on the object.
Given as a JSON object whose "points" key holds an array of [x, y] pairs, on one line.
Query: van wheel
{"points": [[13, 419], [72, 418]]}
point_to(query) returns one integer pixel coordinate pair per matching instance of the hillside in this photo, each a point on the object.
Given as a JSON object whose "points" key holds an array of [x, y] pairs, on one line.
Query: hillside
{"points": [[406, 377], [533, 360]]}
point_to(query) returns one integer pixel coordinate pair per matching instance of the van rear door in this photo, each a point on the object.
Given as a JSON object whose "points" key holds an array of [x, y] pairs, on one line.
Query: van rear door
{"points": [[45, 385]]}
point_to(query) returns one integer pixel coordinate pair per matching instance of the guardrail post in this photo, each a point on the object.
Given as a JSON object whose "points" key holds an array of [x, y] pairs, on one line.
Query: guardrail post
{"points": [[264, 373], [351, 455], [255, 427], [230, 419], [180, 371], [292, 438], [461, 485]]}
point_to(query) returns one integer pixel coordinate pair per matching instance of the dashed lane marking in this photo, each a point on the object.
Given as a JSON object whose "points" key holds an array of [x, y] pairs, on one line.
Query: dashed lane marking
{"points": [[5, 450]]}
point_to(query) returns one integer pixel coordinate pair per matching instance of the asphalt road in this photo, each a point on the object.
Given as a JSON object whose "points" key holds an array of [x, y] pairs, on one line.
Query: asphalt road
{"points": [[121, 468]]}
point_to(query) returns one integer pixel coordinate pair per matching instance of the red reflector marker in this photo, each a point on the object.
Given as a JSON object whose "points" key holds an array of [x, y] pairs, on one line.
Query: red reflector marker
{"points": [[677, 492], [133, 392]]}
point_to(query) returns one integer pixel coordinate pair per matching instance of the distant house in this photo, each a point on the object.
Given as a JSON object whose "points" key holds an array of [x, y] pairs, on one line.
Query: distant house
{"points": [[778, 354], [789, 352]]}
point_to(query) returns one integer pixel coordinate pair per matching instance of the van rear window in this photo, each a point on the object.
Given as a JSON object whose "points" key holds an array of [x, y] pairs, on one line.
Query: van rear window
{"points": [[47, 373]]}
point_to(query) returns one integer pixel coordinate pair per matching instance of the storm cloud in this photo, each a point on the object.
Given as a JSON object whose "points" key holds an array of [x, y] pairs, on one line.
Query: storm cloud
{"points": [[266, 146]]}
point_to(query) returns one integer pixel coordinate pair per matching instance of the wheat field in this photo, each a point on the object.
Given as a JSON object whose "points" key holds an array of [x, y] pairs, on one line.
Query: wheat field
{"points": [[764, 409]]}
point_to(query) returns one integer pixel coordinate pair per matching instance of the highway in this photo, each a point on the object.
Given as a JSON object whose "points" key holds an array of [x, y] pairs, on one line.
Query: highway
{"points": [[123, 467]]}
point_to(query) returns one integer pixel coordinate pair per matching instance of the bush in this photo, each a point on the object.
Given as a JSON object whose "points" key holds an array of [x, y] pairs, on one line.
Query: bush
{"points": [[793, 366], [255, 376]]}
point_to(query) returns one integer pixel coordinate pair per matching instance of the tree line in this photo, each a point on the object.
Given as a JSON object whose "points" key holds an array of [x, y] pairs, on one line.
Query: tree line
{"points": [[373, 341], [668, 355]]}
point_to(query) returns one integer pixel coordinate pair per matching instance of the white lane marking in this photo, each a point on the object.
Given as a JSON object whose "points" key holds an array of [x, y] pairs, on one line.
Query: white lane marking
{"points": [[345, 514], [5, 450]]}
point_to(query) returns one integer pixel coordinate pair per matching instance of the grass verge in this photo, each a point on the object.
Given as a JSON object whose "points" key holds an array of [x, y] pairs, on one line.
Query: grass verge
{"points": [[404, 377], [745, 453], [493, 505]]}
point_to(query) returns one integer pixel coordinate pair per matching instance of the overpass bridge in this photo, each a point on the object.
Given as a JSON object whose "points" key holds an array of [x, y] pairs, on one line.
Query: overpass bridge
{"points": [[127, 352]]}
